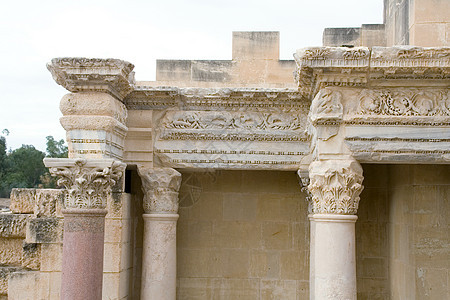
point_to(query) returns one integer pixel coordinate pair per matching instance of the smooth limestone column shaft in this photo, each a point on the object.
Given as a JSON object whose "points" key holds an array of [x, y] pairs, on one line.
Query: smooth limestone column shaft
{"points": [[159, 257], [333, 274], [311, 257], [82, 261]]}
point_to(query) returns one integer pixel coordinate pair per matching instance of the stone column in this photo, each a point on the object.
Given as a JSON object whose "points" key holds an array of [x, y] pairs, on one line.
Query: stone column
{"points": [[88, 183], [159, 262], [334, 189]]}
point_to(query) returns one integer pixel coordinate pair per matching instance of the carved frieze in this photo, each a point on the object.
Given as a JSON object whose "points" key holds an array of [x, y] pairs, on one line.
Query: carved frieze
{"points": [[160, 187], [239, 139], [113, 76], [87, 182], [335, 186], [405, 102]]}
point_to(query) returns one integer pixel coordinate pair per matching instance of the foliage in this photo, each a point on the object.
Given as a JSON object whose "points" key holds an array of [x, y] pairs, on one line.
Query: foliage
{"points": [[55, 148], [24, 167]]}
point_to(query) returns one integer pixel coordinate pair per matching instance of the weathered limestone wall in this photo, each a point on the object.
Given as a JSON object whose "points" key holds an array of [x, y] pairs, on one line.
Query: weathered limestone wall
{"points": [[255, 62], [246, 236], [368, 35], [419, 231], [417, 22], [372, 240]]}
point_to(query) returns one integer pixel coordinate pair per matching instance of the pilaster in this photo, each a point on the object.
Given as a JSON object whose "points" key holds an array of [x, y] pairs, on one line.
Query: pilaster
{"points": [[160, 187], [87, 184]]}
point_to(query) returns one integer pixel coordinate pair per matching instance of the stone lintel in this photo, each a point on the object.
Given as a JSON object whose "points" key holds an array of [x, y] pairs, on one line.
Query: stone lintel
{"points": [[79, 74]]}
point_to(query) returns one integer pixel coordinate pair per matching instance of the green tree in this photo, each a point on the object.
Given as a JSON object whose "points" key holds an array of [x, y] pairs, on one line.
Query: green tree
{"points": [[23, 169], [56, 148]]}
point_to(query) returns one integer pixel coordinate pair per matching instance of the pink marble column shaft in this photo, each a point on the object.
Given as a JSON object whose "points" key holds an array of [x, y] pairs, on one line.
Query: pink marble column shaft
{"points": [[82, 264]]}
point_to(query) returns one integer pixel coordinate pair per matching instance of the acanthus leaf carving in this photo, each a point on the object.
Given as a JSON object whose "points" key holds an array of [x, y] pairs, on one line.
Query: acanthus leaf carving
{"points": [[87, 182], [335, 186], [160, 187]]}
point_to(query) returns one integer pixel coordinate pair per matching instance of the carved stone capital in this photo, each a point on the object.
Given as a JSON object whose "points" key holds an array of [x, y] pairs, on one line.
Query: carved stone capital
{"points": [[160, 187], [88, 182], [335, 186], [77, 74]]}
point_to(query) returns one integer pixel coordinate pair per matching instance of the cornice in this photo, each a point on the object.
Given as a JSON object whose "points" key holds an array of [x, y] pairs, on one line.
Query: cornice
{"points": [[149, 97], [77, 74], [320, 67]]}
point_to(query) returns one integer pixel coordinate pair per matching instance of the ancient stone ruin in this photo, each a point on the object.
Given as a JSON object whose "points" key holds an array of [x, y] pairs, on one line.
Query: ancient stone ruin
{"points": [[322, 177]]}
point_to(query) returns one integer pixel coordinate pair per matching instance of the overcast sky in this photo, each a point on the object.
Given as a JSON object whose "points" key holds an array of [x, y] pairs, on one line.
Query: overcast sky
{"points": [[33, 32]]}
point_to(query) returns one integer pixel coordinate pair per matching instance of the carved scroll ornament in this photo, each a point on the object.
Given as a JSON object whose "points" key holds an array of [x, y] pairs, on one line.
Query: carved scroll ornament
{"points": [[335, 186], [326, 107], [405, 102], [87, 181]]}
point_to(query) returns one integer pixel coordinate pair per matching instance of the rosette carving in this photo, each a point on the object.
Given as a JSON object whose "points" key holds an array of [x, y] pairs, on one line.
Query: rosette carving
{"points": [[160, 187], [88, 182], [335, 186]]}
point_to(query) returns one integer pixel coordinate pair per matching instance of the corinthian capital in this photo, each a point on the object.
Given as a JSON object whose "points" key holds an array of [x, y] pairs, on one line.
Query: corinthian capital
{"points": [[335, 186], [160, 187], [87, 181]]}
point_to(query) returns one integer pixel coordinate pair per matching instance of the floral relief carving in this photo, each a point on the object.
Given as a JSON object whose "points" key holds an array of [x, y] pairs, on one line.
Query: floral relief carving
{"points": [[160, 187], [335, 186], [87, 184], [411, 102]]}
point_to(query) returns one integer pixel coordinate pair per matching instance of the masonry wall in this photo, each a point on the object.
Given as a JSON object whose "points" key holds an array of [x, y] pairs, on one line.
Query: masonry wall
{"points": [[419, 231], [372, 240], [246, 236]]}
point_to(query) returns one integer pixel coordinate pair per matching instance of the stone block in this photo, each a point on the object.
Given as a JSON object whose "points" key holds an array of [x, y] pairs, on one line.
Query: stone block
{"points": [[111, 284], [192, 234], [31, 256], [239, 207], [208, 207], [236, 234], [264, 264], [194, 288], [11, 251], [268, 207], [23, 285], [256, 45], [278, 289], [432, 283], [118, 205], [23, 201], [277, 235], [51, 257], [13, 225], [294, 265], [44, 230], [5, 274], [55, 285], [231, 288], [48, 202]]}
